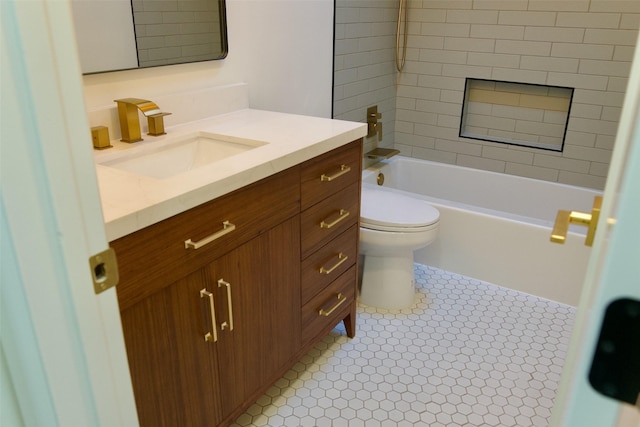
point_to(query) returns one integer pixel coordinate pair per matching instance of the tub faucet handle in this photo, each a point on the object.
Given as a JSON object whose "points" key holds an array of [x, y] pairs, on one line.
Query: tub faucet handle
{"points": [[372, 114], [590, 220], [373, 126]]}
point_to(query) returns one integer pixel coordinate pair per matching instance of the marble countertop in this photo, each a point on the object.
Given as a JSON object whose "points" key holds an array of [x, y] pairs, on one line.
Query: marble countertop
{"points": [[131, 202]]}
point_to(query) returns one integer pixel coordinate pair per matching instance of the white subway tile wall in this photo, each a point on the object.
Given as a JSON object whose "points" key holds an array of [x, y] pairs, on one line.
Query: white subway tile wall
{"points": [[584, 44], [168, 32], [364, 66]]}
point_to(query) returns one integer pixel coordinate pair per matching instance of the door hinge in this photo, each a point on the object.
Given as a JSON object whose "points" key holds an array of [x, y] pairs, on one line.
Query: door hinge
{"points": [[104, 270]]}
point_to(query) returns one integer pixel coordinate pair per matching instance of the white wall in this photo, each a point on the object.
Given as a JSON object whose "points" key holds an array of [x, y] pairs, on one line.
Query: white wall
{"points": [[282, 48], [290, 49]]}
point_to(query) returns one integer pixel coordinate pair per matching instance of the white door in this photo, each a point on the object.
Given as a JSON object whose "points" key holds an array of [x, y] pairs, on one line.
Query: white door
{"points": [[62, 358], [613, 273]]}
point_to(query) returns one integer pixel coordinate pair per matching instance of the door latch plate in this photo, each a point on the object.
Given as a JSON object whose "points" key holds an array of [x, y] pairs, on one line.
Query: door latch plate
{"points": [[104, 270]]}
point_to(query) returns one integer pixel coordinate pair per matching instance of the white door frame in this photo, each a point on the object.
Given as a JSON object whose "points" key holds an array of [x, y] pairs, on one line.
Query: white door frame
{"points": [[62, 344]]}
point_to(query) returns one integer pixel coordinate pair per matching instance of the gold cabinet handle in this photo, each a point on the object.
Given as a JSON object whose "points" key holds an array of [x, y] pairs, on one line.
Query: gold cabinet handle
{"points": [[209, 336], [343, 169], [341, 215], [227, 228], [341, 259], [564, 218], [229, 324], [341, 299]]}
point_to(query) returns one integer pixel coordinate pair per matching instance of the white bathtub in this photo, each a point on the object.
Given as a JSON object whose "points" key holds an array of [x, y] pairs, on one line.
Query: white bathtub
{"points": [[496, 227]]}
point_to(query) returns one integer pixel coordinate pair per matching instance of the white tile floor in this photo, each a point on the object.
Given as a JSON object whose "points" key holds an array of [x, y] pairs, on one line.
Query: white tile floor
{"points": [[468, 354]]}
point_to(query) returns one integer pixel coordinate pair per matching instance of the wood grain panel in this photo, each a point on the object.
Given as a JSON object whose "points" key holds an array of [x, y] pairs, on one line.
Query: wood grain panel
{"points": [[314, 324], [263, 276], [314, 189], [172, 367], [313, 235], [154, 257], [313, 280]]}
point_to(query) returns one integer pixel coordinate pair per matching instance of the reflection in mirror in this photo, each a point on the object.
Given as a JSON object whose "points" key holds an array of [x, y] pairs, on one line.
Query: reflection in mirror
{"points": [[123, 34]]}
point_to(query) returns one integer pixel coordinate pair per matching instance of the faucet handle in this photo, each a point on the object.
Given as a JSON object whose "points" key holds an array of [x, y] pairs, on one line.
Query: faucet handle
{"points": [[156, 124]]}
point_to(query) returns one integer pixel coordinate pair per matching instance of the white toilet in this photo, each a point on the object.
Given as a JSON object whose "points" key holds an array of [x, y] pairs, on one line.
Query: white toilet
{"points": [[392, 227]]}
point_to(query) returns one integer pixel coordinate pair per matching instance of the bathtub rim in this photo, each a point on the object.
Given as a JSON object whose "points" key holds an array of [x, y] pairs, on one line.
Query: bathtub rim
{"points": [[369, 173]]}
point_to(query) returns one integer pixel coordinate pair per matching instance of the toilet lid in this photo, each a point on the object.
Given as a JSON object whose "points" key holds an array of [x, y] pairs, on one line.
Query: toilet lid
{"points": [[386, 209]]}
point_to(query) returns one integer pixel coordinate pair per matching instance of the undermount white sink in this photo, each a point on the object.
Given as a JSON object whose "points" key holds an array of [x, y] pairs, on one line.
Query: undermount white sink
{"points": [[181, 154]]}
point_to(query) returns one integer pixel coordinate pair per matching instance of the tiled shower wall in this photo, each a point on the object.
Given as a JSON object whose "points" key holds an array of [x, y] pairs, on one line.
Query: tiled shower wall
{"points": [[364, 66], [172, 31], [584, 44]]}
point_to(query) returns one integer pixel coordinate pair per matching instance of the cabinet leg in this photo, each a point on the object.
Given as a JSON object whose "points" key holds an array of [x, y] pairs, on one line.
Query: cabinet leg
{"points": [[350, 321]]}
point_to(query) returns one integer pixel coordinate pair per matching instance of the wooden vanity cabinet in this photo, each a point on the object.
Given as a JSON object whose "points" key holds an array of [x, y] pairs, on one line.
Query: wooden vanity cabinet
{"points": [[330, 203], [171, 297], [261, 311], [182, 378], [174, 374], [208, 330]]}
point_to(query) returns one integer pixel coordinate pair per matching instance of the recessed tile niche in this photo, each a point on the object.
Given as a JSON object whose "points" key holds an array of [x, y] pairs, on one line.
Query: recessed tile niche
{"points": [[521, 114]]}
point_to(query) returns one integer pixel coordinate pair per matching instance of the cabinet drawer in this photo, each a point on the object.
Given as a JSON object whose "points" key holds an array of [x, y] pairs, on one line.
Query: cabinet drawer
{"points": [[329, 173], [332, 304], [156, 256], [329, 218], [328, 263]]}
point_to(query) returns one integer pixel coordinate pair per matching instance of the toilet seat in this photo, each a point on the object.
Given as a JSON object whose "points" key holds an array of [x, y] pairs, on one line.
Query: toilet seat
{"points": [[389, 211]]}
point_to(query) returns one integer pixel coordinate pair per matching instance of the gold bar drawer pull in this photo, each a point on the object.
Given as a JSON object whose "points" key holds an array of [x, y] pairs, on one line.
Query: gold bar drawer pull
{"points": [[341, 259], [343, 169], [341, 215], [210, 336], [326, 313], [227, 228], [229, 324]]}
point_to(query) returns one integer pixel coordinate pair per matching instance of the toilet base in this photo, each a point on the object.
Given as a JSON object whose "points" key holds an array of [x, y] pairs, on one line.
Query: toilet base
{"points": [[388, 281]]}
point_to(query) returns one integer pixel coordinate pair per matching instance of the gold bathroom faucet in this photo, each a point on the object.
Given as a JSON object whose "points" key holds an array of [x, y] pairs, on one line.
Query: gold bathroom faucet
{"points": [[130, 123]]}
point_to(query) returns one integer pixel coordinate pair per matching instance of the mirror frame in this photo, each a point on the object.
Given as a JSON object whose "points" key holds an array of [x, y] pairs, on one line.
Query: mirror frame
{"points": [[222, 10]]}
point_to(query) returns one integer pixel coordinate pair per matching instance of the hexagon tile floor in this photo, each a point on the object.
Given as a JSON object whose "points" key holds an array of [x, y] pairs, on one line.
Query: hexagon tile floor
{"points": [[467, 354]]}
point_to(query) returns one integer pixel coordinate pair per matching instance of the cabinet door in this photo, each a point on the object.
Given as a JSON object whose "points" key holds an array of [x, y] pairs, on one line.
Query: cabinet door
{"points": [[257, 294], [173, 368]]}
